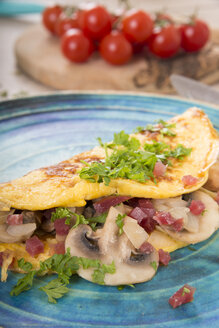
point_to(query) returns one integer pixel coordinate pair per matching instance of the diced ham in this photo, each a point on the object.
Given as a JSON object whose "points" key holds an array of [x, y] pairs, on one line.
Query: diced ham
{"points": [[138, 214], [150, 212], [159, 169], [148, 224], [197, 207], [189, 180], [144, 218], [178, 225], [164, 257], [182, 296], [145, 202], [133, 202], [105, 203], [34, 246], [60, 248], [146, 248], [165, 218], [217, 197], [60, 227], [14, 219]]}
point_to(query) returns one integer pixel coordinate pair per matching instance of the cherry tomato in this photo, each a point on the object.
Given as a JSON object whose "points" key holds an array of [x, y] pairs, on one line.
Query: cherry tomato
{"points": [[137, 26], [95, 22], [50, 16], [194, 35], [65, 23], [165, 42], [76, 46], [115, 48]]}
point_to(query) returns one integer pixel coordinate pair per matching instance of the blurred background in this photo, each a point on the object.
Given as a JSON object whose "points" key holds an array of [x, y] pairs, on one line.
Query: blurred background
{"points": [[17, 16]]}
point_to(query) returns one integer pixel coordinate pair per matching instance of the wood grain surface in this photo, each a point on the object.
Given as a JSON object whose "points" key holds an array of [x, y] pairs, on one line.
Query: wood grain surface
{"points": [[38, 55]]}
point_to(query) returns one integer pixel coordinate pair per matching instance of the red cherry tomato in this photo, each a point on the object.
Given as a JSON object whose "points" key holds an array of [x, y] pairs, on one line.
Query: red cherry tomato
{"points": [[50, 16], [165, 42], [137, 26], [76, 46], [115, 48], [194, 35], [95, 22], [65, 23]]}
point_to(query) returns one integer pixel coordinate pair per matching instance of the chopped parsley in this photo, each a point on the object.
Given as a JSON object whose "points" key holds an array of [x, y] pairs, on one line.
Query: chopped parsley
{"points": [[64, 266], [80, 219], [154, 265], [54, 289], [120, 222], [186, 291], [25, 266], [97, 219], [163, 127], [60, 213], [128, 160]]}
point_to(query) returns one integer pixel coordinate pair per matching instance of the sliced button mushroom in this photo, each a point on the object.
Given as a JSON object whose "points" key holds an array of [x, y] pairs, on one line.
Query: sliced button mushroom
{"points": [[4, 235], [106, 245], [208, 222], [16, 233], [21, 232]]}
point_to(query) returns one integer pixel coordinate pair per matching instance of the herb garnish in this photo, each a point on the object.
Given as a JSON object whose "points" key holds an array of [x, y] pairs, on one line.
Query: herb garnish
{"points": [[186, 291], [64, 266], [120, 222], [60, 213], [154, 265], [163, 127], [128, 160]]}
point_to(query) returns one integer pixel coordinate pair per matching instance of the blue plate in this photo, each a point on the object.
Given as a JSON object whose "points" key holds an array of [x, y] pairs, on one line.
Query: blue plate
{"points": [[40, 131]]}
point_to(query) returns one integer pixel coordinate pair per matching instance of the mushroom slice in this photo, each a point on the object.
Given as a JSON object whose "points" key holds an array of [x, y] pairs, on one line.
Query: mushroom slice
{"points": [[208, 221], [16, 233], [107, 245], [4, 235], [21, 231]]}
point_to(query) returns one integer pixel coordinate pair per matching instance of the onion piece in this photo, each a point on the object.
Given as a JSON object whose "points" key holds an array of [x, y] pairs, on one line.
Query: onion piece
{"points": [[192, 224], [136, 234]]}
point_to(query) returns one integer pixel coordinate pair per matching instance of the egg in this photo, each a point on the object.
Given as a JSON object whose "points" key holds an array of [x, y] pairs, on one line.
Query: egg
{"points": [[60, 185]]}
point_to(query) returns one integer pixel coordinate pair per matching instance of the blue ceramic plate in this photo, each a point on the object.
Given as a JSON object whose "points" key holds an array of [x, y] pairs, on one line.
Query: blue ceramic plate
{"points": [[41, 131]]}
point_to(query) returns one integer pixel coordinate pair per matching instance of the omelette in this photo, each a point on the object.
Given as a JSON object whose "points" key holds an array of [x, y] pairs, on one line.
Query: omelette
{"points": [[121, 202]]}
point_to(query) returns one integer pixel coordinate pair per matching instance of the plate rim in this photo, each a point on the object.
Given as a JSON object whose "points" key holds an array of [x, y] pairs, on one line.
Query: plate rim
{"points": [[111, 92]]}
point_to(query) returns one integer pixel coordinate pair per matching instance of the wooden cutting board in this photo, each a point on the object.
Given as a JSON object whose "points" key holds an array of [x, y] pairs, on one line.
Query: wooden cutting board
{"points": [[38, 54]]}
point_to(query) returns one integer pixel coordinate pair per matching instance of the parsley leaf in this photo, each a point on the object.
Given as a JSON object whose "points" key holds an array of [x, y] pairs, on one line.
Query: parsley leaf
{"points": [[99, 273], [23, 284], [65, 266], [186, 291], [180, 152], [26, 266], [54, 289], [162, 127], [60, 213], [154, 265], [80, 219], [120, 222]]}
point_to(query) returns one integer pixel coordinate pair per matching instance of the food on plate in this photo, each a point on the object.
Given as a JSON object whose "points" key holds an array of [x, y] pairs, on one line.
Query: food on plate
{"points": [[121, 35], [112, 214], [182, 296]]}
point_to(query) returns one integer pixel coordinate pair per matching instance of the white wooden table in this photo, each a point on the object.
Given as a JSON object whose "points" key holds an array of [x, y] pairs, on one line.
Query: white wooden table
{"points": [[14, 82]]}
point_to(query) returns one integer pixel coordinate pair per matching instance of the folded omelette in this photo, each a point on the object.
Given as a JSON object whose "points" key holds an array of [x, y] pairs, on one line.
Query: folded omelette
{"points": [[121, 202]]}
